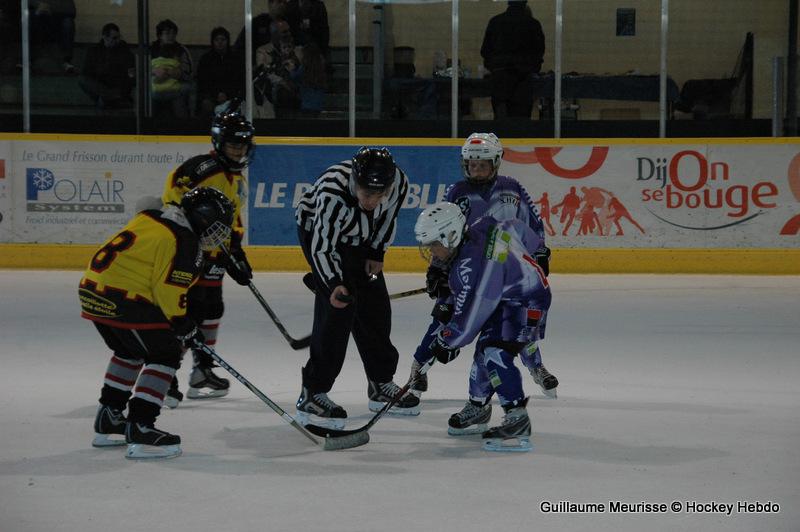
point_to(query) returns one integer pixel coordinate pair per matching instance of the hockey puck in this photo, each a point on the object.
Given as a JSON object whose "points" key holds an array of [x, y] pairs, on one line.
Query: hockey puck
{"points": [[344, 298]]}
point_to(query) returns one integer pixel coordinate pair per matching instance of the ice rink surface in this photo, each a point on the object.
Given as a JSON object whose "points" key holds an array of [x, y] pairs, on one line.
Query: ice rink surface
{"points": [[673, 388]]}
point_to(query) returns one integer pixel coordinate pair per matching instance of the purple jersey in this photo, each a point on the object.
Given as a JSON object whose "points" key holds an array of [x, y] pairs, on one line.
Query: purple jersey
{"points": [[504, 199], [498, 288]]}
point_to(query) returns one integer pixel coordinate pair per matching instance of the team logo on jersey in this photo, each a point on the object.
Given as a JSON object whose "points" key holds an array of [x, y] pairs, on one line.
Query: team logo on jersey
{"points": [[463, 204], [95, 305]]}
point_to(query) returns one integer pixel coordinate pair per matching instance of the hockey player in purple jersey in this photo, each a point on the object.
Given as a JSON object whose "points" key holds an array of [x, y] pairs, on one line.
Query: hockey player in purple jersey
{"points": [[481, 193], [501, 296]]}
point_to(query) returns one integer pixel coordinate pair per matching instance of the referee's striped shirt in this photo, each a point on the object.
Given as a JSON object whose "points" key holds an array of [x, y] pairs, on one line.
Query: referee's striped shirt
{"points": [[330, 212]]}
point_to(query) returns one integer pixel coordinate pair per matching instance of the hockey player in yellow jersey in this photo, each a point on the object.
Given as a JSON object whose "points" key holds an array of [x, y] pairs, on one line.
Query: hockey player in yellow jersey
{"points": [[232, 139], [135, 292]]}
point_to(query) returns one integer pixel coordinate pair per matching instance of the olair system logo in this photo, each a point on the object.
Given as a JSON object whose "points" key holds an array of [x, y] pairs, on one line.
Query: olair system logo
{"points": [[45, 192]]}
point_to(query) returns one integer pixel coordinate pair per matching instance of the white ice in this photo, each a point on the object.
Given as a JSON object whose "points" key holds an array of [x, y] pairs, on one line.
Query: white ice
{"points": [[673, 388]]}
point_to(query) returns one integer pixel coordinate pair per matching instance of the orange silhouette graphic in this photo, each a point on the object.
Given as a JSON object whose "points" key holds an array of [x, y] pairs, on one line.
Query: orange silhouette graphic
{"points": [[570, 204], [597, 211], [544, 209]]}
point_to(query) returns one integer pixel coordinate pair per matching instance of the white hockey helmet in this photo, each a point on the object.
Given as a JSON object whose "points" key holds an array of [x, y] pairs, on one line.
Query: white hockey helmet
{"points": [[442, 223], [481, 146]]}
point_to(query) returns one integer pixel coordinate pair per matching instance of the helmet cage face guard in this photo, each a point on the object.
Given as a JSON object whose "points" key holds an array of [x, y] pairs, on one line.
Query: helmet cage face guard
{"points": [[481, 147], [214, 236]]}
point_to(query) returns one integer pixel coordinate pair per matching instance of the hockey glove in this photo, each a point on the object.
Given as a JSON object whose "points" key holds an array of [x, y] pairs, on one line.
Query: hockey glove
{"points": [[442, 312], [436, 282], [238, 267], [443, 352], [542, 257], [188, 334]]}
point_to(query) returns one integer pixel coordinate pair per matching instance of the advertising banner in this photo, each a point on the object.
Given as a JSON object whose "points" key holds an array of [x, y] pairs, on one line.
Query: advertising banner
{"points": [[81, 192], [729, 194], [622, 196]]}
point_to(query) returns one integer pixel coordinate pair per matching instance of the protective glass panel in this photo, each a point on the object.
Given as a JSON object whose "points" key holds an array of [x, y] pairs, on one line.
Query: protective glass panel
{"points": [[713, 59], [507, 53], [610, 70], [82, 65], [412, 94]]}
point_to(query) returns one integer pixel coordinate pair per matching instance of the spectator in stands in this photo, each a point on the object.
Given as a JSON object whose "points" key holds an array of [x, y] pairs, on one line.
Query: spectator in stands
{"points": [[108, 74], [220, 73], [10, 36], [512, 50], [313, 26], [312, 79], [54, 19], [171, 102], [278, 64], [262, 24]]}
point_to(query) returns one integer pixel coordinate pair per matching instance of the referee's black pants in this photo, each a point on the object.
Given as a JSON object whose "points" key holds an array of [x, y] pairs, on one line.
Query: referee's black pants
{"points": [[368, 317]]}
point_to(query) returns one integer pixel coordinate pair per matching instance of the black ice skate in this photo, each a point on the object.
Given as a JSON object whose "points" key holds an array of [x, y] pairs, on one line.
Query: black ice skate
{"points": [[318, 409], [204, 384], [546, 381], [108, 422], [515, 432], [147, 442], [421, 384], [174, 395], [381, 393], [472, 419]]}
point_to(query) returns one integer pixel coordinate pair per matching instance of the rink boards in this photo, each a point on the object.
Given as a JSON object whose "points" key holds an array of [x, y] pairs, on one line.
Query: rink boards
{"points": [[623, 205]]}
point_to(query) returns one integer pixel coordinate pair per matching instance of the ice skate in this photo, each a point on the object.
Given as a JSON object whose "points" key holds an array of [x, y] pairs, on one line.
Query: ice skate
{"points": [[381, 393], [318, 409], [514, 434], [109, 427], [546, 381], [145, 442], [204, 384], [174, 395], [421, 384], [472, 419]]}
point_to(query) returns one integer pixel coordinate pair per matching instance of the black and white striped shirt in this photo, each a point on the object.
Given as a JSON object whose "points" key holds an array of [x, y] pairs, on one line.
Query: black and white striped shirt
{"points": [[330, 212]]}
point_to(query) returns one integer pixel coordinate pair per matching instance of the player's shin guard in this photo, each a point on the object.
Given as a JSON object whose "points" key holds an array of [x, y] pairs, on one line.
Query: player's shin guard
{"points": [[109, 422], [203, 382]]}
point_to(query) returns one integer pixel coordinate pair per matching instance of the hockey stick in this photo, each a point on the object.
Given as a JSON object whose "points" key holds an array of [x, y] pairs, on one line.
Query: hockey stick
{"points": [[294, 343], [308, 280], [327, 445], [345, 439]]}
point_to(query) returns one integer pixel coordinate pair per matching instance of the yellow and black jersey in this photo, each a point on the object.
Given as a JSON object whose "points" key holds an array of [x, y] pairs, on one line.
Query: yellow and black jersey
{"points": [[139, 277], [206, 171]]}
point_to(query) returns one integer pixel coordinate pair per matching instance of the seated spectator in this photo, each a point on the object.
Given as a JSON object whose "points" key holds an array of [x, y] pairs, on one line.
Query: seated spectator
{"points": [[10, 36], [169, 100], [220, 73], [108, 74], [262, 24], [312, 78], [277, 69], [54, 19]]}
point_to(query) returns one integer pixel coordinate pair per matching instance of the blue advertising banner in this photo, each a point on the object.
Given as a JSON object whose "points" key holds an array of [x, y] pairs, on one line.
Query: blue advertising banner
{"points": [[279, 174]]}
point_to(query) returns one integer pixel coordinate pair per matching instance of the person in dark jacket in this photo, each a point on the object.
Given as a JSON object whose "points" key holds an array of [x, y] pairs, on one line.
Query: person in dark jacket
{"points": [[512, 50], [108, 74], [220, 73]]}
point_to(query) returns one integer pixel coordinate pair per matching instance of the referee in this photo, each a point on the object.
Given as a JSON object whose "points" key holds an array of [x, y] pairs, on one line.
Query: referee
{"points": [[345, 224]]}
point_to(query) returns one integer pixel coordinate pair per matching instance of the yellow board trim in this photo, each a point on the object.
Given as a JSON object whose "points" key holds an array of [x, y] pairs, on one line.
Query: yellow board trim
{"points": [[407, 259]]}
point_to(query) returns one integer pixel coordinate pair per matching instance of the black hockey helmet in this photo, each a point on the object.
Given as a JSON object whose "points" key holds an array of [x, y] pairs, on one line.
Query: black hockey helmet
{"points": [[230, 126], [210, 213], [374, 169]]}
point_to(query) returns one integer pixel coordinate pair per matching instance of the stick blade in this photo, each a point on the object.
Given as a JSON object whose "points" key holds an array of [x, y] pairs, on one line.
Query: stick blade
{"points": [[346, 442], [300, 343]]}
